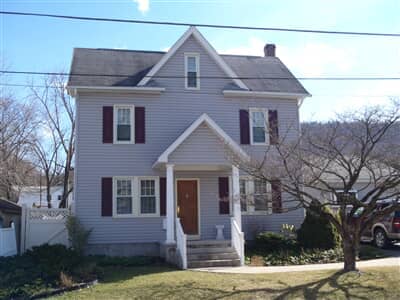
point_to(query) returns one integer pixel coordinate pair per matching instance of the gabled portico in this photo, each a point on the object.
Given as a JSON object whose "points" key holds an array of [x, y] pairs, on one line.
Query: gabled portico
{"points": [[202, 147]]}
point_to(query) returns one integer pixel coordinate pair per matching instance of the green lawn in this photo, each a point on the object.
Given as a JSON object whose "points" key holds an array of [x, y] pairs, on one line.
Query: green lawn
{"points": [[159, 282]]}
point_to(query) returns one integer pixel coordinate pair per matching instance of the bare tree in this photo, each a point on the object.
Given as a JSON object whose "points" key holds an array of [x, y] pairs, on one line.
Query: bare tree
{"points": [[59, 115], [46, 155], [17, 128], [322, 167]]}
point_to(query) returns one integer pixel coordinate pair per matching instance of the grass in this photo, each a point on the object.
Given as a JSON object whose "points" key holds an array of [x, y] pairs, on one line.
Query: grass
{"points": [[298, 256], [160, 282]]}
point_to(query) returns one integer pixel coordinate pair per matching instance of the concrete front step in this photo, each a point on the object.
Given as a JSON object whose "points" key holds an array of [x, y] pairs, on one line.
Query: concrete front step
{"points": [[207, 250], [212, 256], [214, 263], [208, 243]]}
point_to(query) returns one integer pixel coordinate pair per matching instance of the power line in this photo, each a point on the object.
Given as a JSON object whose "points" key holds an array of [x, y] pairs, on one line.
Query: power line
{"points": [[167, 23], [203, 77], [315, 95]]}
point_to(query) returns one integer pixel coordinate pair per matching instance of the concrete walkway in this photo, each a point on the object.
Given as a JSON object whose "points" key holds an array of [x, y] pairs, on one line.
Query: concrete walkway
{"points": [[383, 262]]}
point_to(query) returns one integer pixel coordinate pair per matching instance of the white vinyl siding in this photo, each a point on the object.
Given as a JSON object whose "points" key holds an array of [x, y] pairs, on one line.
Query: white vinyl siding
{"points": [[168, 115], [192, 71], [258, 126], [123, 124]]}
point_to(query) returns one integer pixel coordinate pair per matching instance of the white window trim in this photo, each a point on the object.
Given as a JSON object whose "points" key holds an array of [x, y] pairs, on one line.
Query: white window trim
{"points": [[197, 58], [157, 194], [115, 214], [250, 207], [334, 198], [115, 117], [265, 111]]}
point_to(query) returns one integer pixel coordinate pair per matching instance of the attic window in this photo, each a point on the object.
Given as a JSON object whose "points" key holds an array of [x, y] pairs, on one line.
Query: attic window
{"points": [[192, 69]]}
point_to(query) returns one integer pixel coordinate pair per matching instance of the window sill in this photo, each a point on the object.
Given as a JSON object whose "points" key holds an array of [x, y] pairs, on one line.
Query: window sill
{"points": [[136, 216], [148, 216], [259, 144], [123, 143], [256, 213], [123, 216]]}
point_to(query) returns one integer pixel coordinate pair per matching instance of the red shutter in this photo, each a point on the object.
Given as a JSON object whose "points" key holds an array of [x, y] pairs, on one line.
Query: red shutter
{"points": [[108, 127], [273, 127], [140, 125], [163, 196], [223, 184], [244, 127], [276, 196], [106, 196]]}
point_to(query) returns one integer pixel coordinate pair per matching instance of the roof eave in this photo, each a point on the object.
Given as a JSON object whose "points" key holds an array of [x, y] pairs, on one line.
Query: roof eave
{"points": [[263, 94], [73, 90]]}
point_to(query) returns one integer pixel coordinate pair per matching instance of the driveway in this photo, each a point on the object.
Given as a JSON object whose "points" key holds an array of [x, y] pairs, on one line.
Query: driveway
{"points": [[382, 262], [393, 250]]}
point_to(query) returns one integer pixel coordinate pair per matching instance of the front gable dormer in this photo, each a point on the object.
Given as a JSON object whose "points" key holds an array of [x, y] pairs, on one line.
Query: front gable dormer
{"points": [[184, 62]]}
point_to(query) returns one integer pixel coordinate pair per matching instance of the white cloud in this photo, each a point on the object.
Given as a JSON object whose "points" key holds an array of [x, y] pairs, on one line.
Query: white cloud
{"points": [[311, 59], [143, 5], [254, 47], [317, 59]]}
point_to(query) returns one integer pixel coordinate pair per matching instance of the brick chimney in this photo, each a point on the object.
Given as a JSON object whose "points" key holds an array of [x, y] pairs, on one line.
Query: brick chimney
{"points": [[269, 50]]}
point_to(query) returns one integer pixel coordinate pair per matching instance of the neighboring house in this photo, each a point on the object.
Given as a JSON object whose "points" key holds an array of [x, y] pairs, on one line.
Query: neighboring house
{"points": [[155, 131], [10, 225], [36, 196]]}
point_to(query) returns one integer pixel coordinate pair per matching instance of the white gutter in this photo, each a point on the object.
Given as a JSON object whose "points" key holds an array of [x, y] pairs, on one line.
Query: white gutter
{"points": [[235, 93], [72, 90]]}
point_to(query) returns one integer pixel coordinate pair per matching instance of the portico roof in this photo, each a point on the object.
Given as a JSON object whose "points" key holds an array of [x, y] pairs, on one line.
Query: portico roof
{"points": [[226, 140]]}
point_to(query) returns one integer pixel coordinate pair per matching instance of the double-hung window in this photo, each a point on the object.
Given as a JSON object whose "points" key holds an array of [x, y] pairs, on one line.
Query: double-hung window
{"points": [[343, 197], [262, 199], [255, 196], [123, 124], [258, 126], [123, 196], [148, 196], [136, 196], [243, 194], [192, 71]]}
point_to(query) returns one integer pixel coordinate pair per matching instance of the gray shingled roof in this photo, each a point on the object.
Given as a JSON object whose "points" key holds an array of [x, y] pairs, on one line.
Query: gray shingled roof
{"points": [[137, 63]]}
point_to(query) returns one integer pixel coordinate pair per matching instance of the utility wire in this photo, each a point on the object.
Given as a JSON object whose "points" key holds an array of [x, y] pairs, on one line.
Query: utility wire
{"points": [[201, 77], [167, 23], [315, 95]]}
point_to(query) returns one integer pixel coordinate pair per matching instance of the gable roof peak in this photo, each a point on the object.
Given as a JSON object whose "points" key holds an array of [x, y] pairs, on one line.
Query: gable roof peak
{"points": [[193, 31]]}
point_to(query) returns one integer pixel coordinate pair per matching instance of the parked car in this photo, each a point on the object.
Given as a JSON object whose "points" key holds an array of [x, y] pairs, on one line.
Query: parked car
{"points": [[385, 231]]}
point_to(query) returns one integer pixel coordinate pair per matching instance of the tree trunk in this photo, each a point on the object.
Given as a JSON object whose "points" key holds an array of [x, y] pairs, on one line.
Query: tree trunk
{"points": [[48, 195], [350, 250]]}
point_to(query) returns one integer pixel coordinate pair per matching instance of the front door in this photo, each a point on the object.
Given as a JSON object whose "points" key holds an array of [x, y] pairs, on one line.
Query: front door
{"points": [[188, 206]]}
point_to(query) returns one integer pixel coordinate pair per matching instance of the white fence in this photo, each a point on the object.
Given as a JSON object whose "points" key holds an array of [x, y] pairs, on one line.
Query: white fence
{"points": [[237, 240], [41, 226], [181, 243], [8, 242]]}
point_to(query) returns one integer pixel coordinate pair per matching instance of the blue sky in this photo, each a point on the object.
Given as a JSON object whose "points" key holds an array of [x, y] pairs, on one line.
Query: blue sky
{"points": [[41, 44]]}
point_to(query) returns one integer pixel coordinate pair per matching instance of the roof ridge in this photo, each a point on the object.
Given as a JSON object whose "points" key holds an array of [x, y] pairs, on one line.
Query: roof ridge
{"points": [[122, 50]]}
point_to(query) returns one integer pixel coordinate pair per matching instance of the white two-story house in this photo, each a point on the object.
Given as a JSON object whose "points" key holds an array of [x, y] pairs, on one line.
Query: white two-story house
{"points": [[156, 132]]}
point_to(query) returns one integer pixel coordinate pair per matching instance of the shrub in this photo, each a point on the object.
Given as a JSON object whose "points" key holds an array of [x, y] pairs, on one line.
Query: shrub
{"points": [[317, 232], [314, 256], [272, 242], [78, 235]]}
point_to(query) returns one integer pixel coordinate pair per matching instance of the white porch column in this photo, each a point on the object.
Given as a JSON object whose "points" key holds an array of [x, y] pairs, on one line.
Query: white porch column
{"points": [[237, 213], [170, 205]]}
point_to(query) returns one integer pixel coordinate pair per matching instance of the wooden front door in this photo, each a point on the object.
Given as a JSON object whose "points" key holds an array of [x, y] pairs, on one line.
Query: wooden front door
{"points": [[188, 206]]}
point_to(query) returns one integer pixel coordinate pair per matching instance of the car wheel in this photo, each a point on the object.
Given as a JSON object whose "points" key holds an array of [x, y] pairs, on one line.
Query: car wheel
{"points": [[380, 239]]}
